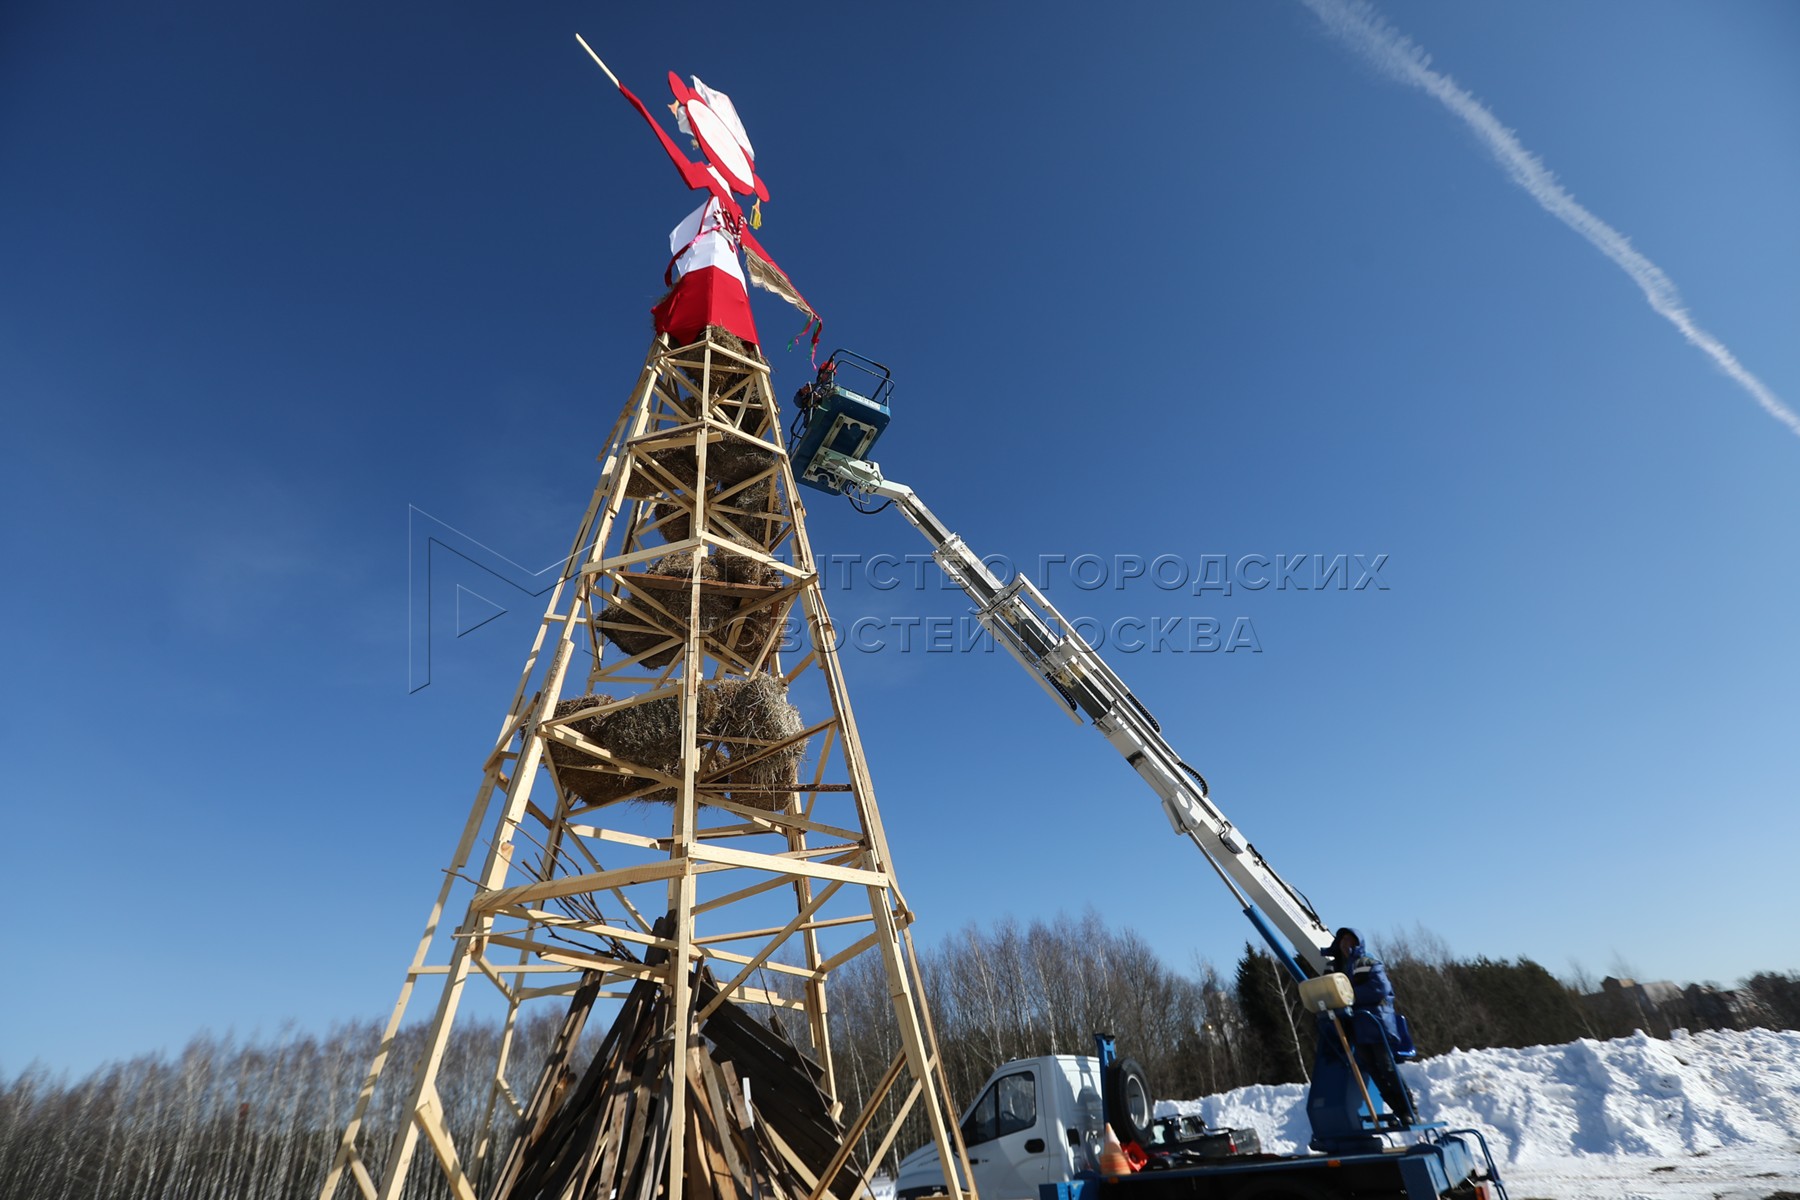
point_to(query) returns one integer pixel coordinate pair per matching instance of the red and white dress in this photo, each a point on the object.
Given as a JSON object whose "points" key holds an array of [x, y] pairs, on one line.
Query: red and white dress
{"points": [[706, 278]]}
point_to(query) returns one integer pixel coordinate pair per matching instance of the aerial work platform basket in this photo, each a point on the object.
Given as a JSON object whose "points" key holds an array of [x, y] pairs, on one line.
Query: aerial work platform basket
{"points": [[833, 420]]}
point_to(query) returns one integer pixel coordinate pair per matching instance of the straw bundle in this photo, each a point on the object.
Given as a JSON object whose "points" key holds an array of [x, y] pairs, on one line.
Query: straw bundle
{"points": [[634, 627], [738, 718]]}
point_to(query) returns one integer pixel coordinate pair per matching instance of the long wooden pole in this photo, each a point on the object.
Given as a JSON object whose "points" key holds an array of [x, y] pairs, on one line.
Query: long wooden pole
{"points": [[596, 59]]}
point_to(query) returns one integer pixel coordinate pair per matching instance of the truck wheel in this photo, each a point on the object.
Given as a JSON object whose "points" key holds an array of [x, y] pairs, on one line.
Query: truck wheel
{"points": [[1129, 1106]]}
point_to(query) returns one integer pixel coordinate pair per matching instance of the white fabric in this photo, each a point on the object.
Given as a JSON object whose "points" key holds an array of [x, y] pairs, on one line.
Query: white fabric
{"points": [[706, 243], [721, 146], [721, 104]]}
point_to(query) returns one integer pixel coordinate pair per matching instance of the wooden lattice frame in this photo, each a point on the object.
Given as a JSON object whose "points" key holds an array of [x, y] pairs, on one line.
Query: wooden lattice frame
{"points": [[549, 868]]}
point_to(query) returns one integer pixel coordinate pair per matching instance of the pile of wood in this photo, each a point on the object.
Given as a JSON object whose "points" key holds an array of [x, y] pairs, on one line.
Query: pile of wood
{"points": [[605, 1135]]}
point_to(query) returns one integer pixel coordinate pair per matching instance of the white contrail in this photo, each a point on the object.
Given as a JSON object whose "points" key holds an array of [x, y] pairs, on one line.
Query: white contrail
{"points": [[1399, 57]]}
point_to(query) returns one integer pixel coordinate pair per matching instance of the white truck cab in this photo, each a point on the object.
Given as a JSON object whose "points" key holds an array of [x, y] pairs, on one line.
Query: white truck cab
{"points": [[1037, 1121]]}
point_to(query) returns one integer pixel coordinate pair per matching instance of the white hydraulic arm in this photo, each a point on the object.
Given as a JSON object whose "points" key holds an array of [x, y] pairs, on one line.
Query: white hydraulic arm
{"points": [[1029, 626]]}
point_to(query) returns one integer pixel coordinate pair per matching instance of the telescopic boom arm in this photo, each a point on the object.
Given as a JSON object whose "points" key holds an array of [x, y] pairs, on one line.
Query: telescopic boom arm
{"points": [[1034, 632]]}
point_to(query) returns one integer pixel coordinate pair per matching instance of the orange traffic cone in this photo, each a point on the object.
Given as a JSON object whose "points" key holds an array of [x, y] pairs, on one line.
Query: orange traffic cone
{"points": [[1112, 1155]]}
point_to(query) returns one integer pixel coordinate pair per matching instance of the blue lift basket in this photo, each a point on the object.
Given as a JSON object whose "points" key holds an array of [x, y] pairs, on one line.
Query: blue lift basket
{"points": [[834, 418]]}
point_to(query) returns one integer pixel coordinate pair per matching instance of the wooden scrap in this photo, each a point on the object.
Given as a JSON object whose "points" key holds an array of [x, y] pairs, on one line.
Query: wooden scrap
{"points": [[606, 1135]]}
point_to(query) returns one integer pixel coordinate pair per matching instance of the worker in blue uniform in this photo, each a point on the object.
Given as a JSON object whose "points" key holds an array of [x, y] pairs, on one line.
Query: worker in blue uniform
{"points": [[1374, 1031]]}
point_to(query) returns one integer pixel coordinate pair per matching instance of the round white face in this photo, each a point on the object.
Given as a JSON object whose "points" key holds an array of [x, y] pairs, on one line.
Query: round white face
{"points": [[721, 148]]}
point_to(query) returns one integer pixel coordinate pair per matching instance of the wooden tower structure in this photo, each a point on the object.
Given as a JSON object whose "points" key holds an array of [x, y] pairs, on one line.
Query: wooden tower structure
{"points": [[674, 831]]}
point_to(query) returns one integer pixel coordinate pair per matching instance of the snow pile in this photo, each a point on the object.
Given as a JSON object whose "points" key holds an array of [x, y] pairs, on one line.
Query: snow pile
{"points": [[1592, 1118]]}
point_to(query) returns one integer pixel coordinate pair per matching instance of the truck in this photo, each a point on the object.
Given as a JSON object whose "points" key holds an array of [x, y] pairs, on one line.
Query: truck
{"points": [[1040, 1121], [1361, 1146]]}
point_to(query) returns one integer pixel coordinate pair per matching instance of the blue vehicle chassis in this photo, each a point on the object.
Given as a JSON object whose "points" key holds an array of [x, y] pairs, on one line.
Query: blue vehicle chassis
{"points": [[1442, 1163], [1441, 1166]]}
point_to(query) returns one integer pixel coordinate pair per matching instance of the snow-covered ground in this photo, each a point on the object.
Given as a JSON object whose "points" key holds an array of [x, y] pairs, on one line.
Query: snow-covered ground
{"points": [[1707, 1116]]}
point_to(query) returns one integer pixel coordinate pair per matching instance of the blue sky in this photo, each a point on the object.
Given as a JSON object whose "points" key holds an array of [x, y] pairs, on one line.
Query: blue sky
{"points": [[1156, 280]]}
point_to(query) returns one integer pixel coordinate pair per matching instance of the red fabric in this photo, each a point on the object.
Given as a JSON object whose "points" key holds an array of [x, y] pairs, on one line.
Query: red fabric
{"points": [[683, 96], [692, 173], [707, 296]]}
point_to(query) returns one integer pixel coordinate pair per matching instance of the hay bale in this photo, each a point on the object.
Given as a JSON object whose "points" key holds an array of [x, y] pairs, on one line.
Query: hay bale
{"points": [[729, 462], [754, 498], [679, 526], [721, 336], [726, 372], [629, 634], [665, 580], [754, 711], [715, 607], [724, 337], [647, 734], [757, 709], [741, 568]]}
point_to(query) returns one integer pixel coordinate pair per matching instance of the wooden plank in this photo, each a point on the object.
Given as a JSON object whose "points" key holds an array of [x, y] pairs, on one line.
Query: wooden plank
{"points": [[514, 968], [365, 1183], [779, 968], [569, 737], [893, 1132], [787, 1152], [553, 1081], [746, 934], [848, 952], [571, 885], [697, 1178], [565, 989], [612, 563], [712, 1130], [607, 709], [755, 889], [725, 1118], [853, 1134], [430, 1119], [487, 970], [750, 995], [788, 866], [783, 822], [954, 1131], [540, 916], [620, 837], [775, 942], [612, 1123]]}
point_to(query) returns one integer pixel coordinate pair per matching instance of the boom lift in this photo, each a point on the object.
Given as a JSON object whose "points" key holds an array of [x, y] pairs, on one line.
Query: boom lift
{"points": [[834, 429]]}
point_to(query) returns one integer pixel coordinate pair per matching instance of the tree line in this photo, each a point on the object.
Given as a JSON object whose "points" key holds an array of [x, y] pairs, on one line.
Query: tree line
{"points": [[227, 1119]]}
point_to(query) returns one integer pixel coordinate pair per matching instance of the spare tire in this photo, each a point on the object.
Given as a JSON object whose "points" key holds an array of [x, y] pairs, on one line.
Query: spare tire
{"points": [[1129, 1106]]}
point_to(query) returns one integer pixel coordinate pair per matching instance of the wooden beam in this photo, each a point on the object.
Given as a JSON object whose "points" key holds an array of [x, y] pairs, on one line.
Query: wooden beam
{"points": [[571, 885], [775, 942], [430, 1118], [746, 934], [787, 866]]}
